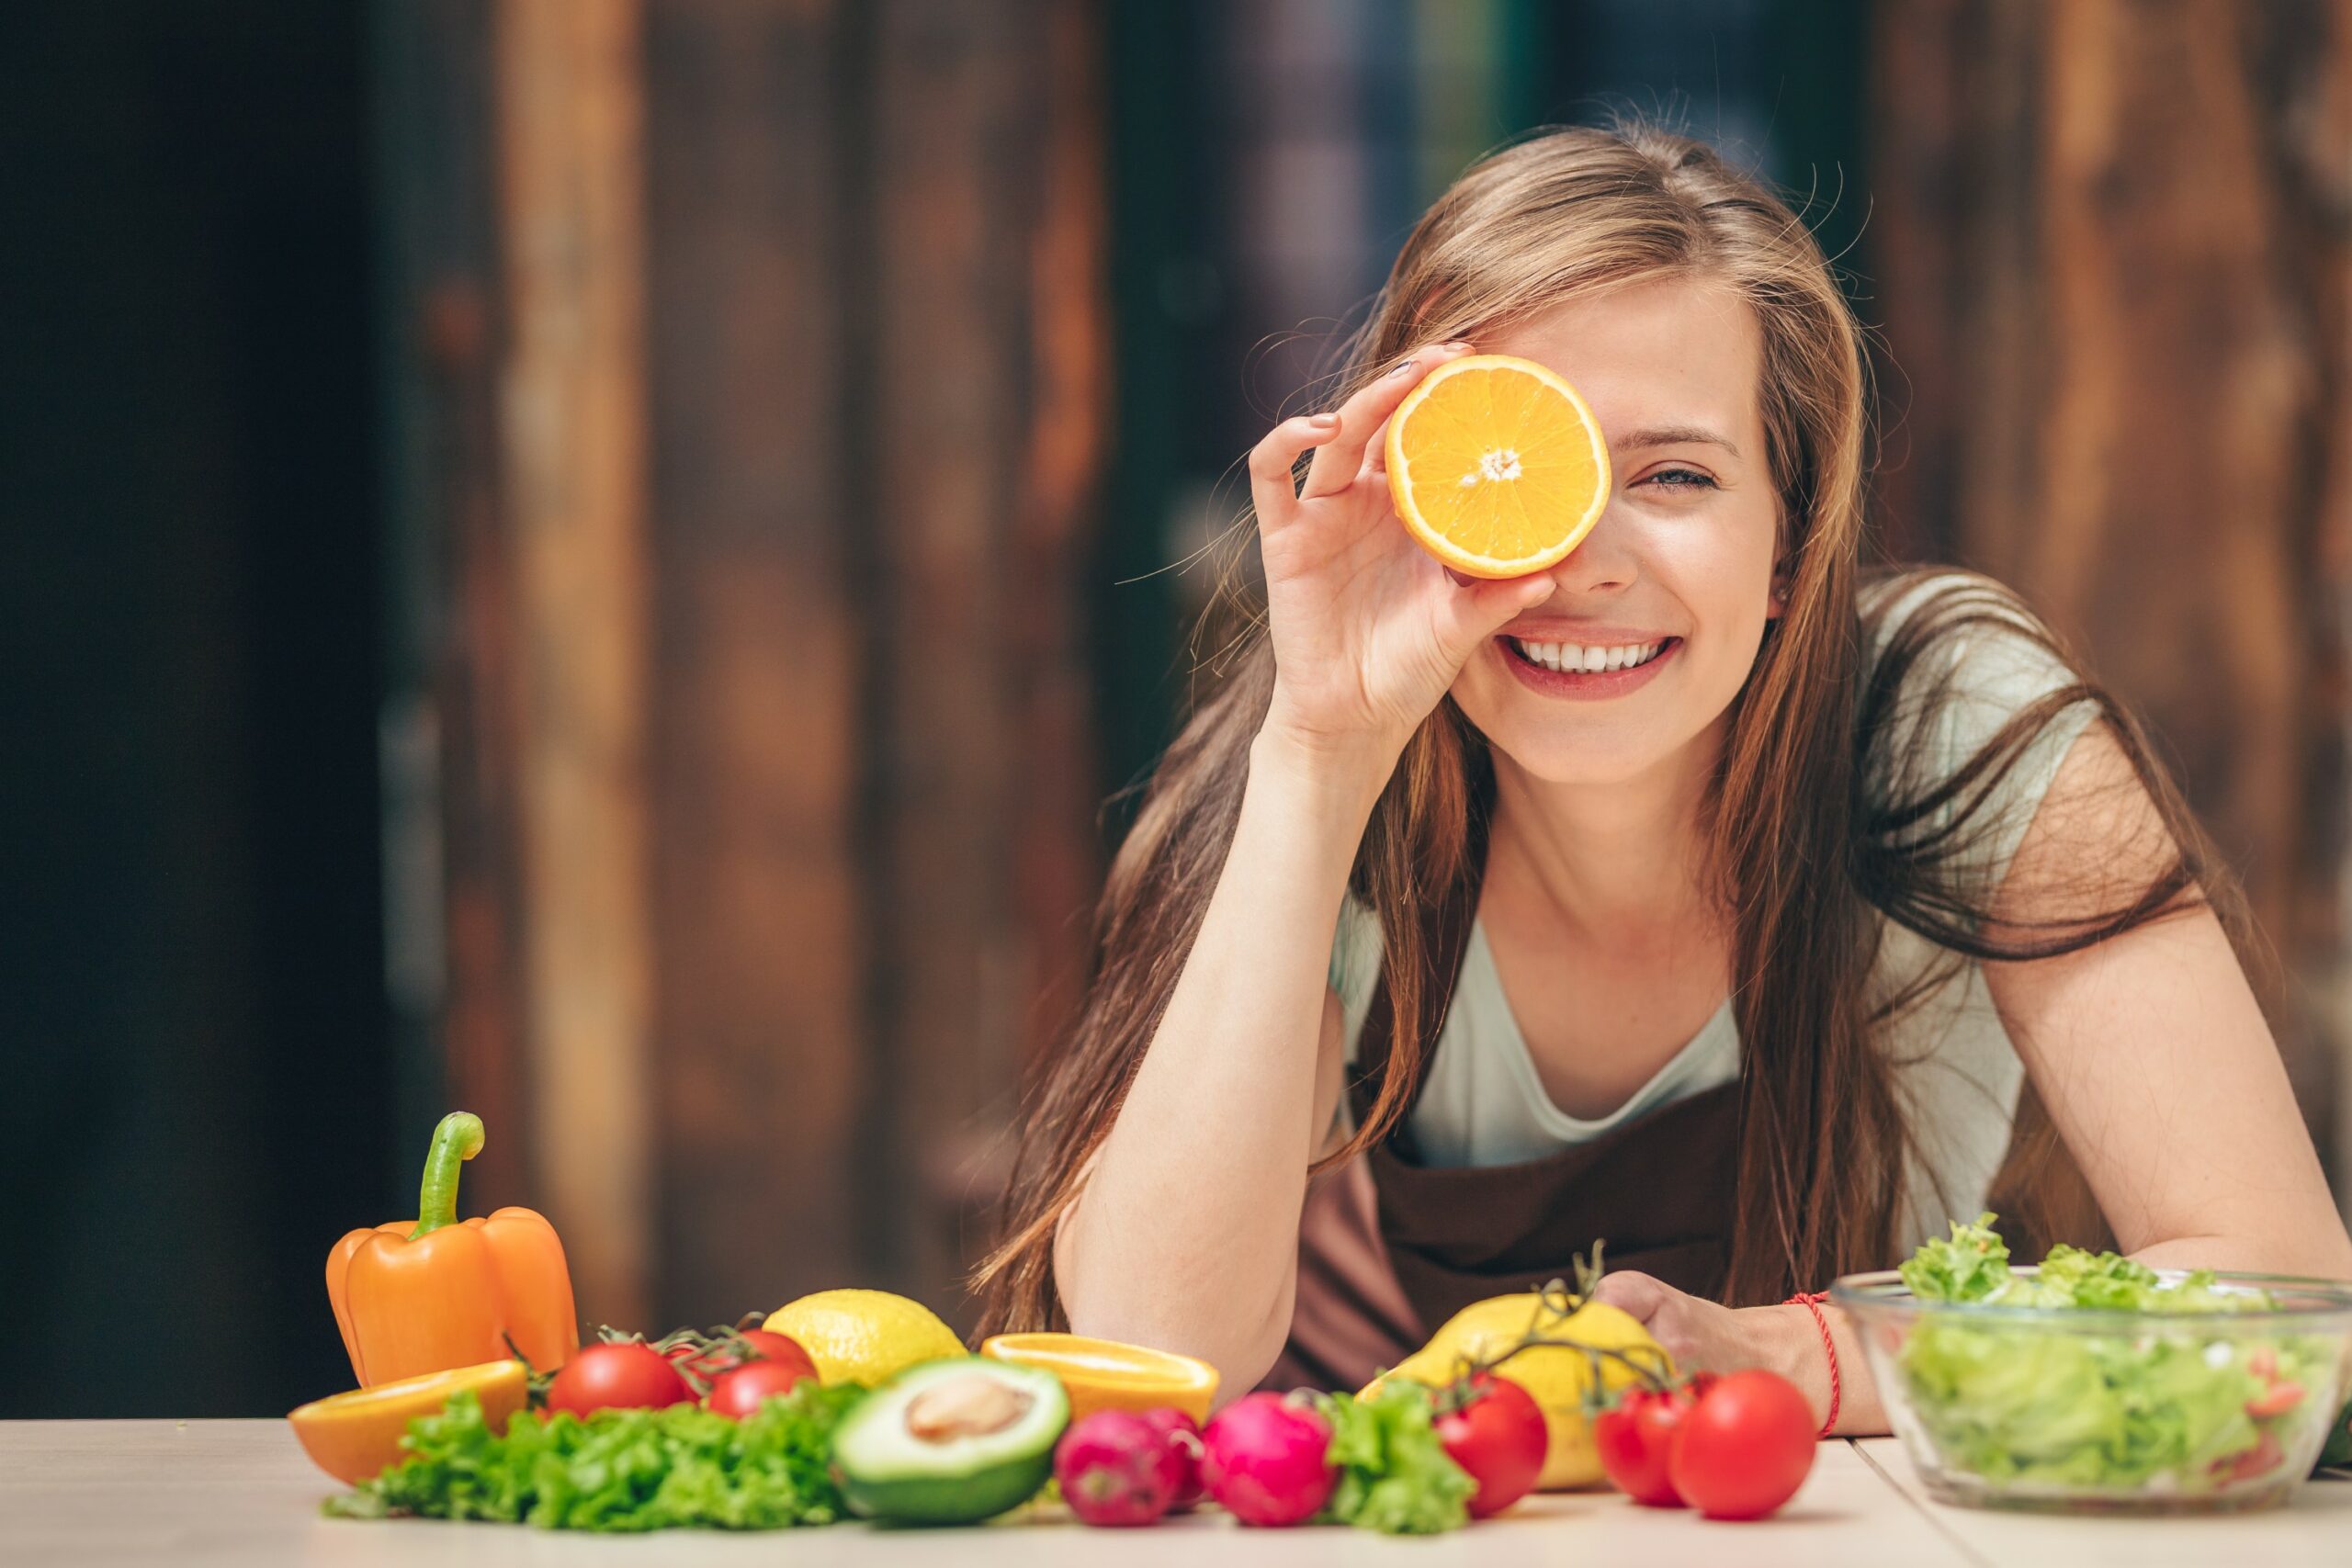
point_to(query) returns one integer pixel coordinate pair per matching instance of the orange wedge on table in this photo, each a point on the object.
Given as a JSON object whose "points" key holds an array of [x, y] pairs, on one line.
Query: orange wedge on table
{"points": [[353, 1436], [1497, 466], [1104, 1374]]}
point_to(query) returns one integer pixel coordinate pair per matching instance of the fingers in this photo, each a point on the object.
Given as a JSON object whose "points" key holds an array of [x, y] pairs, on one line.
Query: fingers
{"points": [[1272, 489], [1375, 452], [1336, 465], [1636, 1294]]}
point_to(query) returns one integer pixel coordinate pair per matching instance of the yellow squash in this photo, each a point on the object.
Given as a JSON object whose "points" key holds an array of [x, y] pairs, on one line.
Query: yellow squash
{"points": [[1556, 1376]]}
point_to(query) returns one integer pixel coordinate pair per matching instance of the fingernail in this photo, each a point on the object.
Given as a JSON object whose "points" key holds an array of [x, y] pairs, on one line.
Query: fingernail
{"points": [[1403, 366], [1324, 421], [1457, 345]]}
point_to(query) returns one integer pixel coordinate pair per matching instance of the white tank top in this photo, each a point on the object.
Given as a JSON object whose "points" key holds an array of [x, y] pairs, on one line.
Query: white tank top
{"points": [[1483, 1103]]}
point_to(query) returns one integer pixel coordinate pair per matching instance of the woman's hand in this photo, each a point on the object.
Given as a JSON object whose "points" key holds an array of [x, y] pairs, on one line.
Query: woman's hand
{"points": [[1369, 630], [1702, 1337]]}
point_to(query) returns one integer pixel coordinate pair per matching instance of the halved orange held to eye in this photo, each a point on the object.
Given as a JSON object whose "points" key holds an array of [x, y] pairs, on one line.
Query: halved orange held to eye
{"points": [[1497, 466]]}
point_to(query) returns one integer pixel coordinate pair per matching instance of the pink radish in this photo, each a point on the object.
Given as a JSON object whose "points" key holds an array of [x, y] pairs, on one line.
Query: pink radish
{"points": [[1184, 1442], [1264, 1460], [1115, 1467]]}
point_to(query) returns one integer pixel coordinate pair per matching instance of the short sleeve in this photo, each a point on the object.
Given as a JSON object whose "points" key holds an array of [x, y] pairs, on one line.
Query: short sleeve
{"points": [[1953, 659], [1970, 661], [1355, 967]]}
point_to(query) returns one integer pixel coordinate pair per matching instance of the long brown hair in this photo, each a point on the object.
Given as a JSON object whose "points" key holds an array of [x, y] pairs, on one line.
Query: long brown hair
{"points": [[1810, 869]]}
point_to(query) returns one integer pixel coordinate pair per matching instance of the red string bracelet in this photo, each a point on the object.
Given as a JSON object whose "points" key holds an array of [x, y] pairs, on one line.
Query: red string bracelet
{"points": [[1811, 1301]]}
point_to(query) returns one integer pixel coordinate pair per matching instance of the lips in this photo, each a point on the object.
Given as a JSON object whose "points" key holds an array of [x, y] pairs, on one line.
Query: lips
{"points": [[1590, 658], [1622, 668]]}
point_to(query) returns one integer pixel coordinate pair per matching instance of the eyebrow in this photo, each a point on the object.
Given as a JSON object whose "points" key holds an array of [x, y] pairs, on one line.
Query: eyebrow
{"points": [[1674, 435]]}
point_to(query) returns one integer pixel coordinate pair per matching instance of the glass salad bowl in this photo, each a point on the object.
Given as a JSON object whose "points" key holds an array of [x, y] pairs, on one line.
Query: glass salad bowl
{"points": [[2208, 1394]]}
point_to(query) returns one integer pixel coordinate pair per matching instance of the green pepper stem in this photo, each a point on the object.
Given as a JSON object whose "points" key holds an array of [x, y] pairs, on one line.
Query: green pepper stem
{"points": [[456, 1141]]}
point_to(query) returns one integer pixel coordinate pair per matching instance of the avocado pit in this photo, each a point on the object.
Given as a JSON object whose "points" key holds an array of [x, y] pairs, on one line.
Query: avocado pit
{"points": [[973, 1406]]}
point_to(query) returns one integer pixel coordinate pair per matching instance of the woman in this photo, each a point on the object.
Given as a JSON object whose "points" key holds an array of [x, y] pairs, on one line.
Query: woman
{"points": [[1757, 949]]}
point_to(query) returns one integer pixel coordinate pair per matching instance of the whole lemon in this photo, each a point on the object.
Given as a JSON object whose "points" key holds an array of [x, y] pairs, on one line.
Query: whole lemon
{"points": [[1556, 1376], [863, 1337]]}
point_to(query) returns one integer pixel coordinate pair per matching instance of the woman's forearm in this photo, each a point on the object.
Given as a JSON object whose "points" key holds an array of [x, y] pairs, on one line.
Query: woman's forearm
{"points": [[1186, 1235], [2317, 1251]]}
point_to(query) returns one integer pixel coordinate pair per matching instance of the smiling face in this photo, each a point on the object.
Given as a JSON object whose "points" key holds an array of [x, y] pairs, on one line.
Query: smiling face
{"points": [[1679, 566]]}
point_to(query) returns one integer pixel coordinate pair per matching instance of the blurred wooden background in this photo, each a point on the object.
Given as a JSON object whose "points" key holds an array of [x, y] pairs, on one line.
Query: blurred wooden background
{"points": [[764, 352], [758, 364], [602, 559]]}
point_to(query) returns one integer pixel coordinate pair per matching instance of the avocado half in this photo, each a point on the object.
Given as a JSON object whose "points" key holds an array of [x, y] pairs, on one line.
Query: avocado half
{"points": [[951, 1442]]}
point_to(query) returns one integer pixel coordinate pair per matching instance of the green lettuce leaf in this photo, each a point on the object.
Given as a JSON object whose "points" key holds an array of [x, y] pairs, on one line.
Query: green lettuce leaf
{"points": [[618, 1470], [1969, 1267], [1395, 1474]]}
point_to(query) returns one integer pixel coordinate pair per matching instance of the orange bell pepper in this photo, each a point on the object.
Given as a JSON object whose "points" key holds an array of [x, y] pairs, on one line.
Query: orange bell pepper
{"points": [[448, 1294]]}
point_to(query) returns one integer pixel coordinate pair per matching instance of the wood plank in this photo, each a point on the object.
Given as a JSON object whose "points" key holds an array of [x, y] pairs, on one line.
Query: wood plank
{"points": [[572, 422], [455, 810], [1057, 523], [240, 1493], [988, 416], [757, 895], [2317, 144], [2308, 1530]]}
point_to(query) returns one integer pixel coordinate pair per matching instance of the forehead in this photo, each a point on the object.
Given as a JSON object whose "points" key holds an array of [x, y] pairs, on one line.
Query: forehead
{"points": [[1667, 352]]}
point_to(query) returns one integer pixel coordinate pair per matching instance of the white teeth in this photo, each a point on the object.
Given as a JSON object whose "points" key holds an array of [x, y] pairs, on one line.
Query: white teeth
{"points": [[1577, 658]]}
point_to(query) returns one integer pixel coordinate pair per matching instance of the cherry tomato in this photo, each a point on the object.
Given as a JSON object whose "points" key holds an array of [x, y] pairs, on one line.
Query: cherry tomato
{"points": [[1744, 1447], [738, 1394], [2259, 1460], [2276, 1399], [1635, 1437], [706, 1363], [749, 1346], [1499, 1437], [622, 1375]]}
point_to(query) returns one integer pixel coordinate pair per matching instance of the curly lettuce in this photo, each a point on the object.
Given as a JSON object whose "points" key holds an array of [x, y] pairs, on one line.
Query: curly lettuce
{"points": [[618, 1470], [1395, 1474]]}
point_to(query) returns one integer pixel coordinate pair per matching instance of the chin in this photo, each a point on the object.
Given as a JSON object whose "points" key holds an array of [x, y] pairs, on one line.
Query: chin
{"points": [[1561, 756]]}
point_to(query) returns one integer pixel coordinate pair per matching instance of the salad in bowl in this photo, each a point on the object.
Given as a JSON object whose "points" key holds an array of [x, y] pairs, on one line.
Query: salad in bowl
{"points": [[2094, 1383]]}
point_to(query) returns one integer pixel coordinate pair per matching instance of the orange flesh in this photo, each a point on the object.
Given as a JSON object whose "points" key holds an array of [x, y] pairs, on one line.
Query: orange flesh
{"points": [[1499, 465]]}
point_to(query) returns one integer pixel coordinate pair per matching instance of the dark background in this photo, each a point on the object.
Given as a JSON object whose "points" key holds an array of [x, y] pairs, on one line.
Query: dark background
{"points": [[197, 1050]]}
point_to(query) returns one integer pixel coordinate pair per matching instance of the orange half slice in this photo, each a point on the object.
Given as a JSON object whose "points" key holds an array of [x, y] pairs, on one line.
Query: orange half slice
{"points": [[353, 1436], [1104, 1374], [1497, 466]]}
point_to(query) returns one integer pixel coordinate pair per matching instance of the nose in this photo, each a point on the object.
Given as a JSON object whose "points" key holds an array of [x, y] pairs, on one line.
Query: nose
{"points": [[1604, 562]]}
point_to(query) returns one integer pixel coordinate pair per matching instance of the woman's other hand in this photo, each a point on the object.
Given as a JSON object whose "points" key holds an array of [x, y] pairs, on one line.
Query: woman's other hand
{"points": [[1704, 1336]]}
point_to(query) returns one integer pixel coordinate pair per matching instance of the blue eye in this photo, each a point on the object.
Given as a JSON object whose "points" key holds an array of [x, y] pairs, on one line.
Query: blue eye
{"points": [[1685, 478]]}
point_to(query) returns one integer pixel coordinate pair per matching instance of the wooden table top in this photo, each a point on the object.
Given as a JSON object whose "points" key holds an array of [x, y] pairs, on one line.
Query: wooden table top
{"points": [[241, 1493]]}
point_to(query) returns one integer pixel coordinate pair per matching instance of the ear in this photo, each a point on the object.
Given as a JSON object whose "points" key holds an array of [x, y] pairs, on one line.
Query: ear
{"points": [[1777, 604]]}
